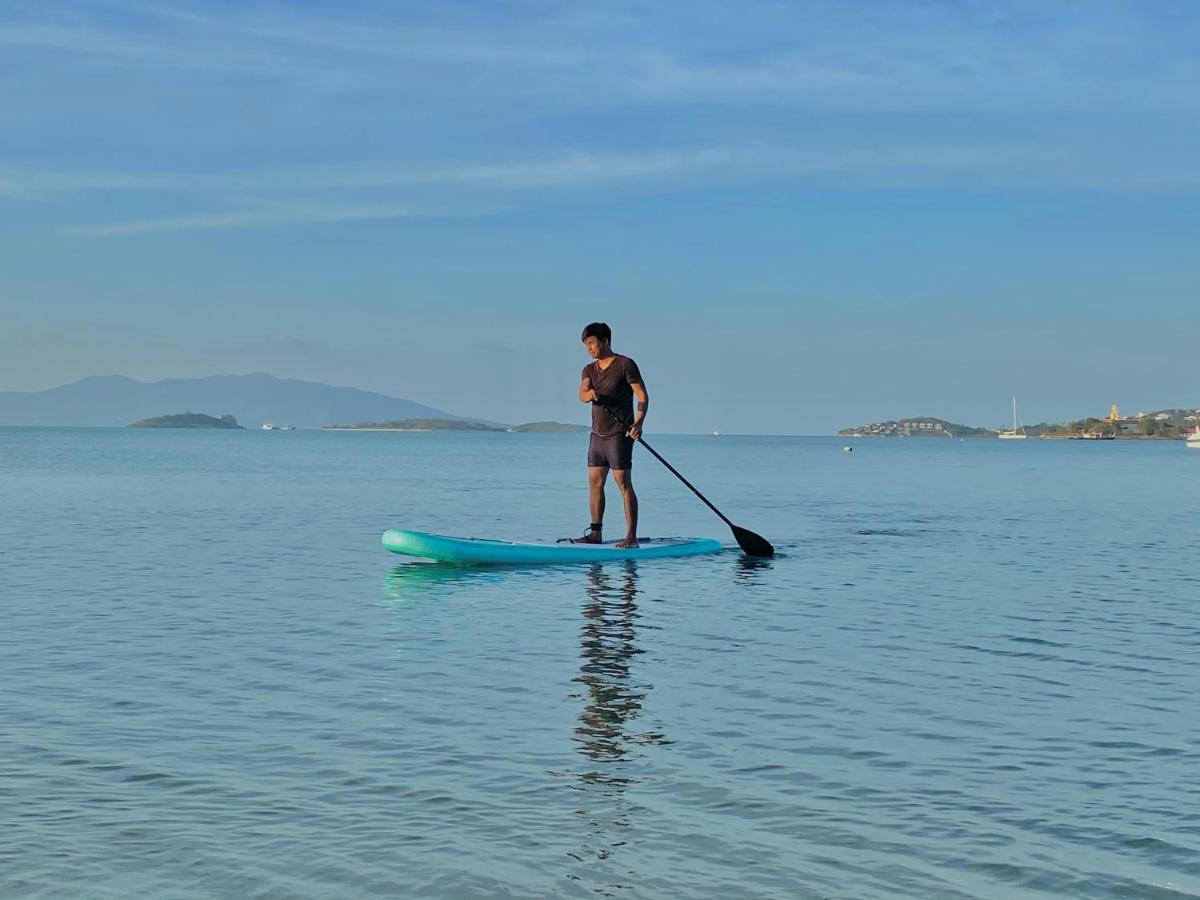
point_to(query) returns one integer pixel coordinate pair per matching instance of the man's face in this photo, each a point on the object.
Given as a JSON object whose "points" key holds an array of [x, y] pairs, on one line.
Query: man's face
{"points": [[594, 346]]}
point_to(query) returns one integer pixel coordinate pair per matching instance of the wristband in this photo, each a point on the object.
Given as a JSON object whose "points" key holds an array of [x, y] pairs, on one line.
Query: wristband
{"points": [[642, 407]]}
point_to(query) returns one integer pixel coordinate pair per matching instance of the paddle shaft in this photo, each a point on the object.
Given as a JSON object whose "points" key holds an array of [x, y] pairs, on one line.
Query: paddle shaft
{"points": [[751, 543], [676, 473], [620, 416]]}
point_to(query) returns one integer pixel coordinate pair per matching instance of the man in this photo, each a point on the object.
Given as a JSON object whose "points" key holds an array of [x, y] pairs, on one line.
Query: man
{"points": [[610, 384]]}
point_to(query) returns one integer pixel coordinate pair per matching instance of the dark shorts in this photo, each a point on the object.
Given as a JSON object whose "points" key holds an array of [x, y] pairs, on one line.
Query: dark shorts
{"points": [[611, 451]]}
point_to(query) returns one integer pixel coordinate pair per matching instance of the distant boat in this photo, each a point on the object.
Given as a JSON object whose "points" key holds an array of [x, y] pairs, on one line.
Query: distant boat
{"points": [[1017, 432], [269, 426], [1193, 439]]}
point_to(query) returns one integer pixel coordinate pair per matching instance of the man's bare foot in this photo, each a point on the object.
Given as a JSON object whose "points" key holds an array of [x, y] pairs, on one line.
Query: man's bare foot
{"points": [[628, 543]]}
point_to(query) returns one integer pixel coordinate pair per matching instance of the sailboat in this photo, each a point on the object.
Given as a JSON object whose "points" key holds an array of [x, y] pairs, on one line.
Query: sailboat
{"points": [[1017, 432]]}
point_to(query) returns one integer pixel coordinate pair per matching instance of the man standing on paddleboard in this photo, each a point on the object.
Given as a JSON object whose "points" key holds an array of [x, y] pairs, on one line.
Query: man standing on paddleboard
{"points": [[610, 384]]}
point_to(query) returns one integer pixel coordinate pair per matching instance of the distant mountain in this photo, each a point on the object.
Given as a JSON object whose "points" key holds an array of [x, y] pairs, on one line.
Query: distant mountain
{"points": [[253, 399]]}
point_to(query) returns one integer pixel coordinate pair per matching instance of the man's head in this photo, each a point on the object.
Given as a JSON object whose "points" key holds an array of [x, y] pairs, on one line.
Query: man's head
{"points": [[596, 339]]}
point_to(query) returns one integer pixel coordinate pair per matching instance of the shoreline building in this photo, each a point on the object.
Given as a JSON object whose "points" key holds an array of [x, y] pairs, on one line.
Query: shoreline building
{"points": [[1123, 426]]}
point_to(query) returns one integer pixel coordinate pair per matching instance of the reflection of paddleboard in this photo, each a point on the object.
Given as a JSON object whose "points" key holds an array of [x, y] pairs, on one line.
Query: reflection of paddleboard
{"points": [[477, 550]]}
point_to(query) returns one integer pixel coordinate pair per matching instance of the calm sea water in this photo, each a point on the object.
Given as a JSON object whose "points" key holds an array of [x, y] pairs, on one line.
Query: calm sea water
{"points": [[972, 671]]}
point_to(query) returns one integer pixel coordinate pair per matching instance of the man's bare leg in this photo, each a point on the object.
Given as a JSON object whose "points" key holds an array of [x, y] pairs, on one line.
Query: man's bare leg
{"points": [[624, 480], [597, 475]]}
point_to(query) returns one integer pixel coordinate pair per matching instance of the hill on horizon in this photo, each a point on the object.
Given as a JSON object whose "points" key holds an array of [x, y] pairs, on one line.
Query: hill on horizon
{"points": [[115, 400]]}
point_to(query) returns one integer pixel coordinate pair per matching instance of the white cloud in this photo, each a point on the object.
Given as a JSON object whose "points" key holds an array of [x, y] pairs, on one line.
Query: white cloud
{"points": [[1044, 164], [240, 219], [169, 52], [323, 194], [419, 83], [574, 170], [873, 56]]}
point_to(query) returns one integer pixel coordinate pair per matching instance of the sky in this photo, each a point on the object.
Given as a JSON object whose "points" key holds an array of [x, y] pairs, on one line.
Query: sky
{"points": [[796, 216]]}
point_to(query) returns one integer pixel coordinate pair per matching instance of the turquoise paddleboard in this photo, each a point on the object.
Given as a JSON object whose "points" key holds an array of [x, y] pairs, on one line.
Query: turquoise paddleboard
{"points": [[480, 551]]}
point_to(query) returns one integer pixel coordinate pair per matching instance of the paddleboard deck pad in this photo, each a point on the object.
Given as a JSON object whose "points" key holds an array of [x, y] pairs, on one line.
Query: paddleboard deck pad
{"points": [[478, 551]]}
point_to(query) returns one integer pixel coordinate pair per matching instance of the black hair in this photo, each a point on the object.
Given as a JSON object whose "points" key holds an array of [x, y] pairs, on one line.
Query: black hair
{"points": [[597, 330]]}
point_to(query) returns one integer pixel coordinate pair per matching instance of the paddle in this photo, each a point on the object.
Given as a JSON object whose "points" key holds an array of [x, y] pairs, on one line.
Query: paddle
{"points": [[752, 544]]}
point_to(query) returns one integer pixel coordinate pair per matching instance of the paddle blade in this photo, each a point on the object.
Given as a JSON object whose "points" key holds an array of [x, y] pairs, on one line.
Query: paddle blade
{"points": [[752, 544]]}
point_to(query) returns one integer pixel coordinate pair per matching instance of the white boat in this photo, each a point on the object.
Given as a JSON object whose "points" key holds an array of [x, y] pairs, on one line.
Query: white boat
{"points": [[1193, 439], [1017, 432], [270, 426]]}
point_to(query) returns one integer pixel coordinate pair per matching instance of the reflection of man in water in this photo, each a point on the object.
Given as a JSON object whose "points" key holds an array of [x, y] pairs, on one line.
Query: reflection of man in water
{"points": [[612, 701], [607, 648]]}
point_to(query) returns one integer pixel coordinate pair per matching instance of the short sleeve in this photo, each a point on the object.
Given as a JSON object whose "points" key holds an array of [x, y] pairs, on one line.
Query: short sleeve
{"points": [[633, 375], [586, 373]]}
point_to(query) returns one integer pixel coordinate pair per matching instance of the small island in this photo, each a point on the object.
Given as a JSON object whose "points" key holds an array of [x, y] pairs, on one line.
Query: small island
{"points": [[549, 428], [916, 426], [1158, 425], [416, 425], [188, 420]]}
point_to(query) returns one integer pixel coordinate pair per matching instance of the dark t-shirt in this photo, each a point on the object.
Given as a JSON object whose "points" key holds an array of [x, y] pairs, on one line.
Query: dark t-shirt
{"points": [[613, 386]]}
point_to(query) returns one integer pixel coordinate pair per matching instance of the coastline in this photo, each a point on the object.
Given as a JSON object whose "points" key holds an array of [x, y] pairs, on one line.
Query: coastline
{"points": [[422, 430]]}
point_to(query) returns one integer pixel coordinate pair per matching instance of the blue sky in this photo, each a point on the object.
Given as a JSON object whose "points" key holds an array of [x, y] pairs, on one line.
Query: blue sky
{"points": [[796, 216]]}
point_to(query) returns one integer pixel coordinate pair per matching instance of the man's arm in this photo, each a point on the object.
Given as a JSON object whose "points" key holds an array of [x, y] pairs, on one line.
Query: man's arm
{"points": [[643, 406], [586, 394]]}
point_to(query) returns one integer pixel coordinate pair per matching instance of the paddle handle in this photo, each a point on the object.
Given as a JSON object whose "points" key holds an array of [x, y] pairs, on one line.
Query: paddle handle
{"points": [[675, 472]]}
